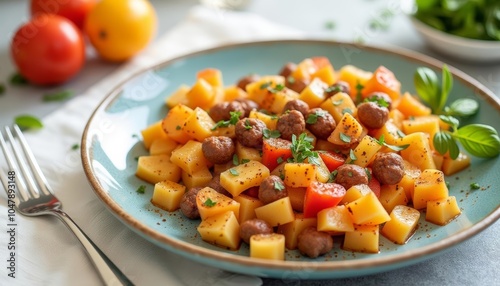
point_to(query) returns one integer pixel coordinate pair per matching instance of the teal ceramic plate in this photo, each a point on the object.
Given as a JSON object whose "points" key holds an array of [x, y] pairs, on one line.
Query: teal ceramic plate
{"points": [[110, 145]]}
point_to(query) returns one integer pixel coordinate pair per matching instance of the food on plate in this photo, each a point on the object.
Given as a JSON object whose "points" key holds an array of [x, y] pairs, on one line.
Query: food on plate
{"points": [[48, 54], [343, 156]]}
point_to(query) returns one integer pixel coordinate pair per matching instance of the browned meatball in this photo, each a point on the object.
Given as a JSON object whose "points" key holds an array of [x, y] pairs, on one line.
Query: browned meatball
{"points": [[372, 115], [222, 110], [243, 82], [287, 69], [249, 132], [320, 123], [314, 243], [380, 96], [188, 203], [290, 123], [248, 105], [272, 189], [215, 184], [254, 226], [297, 104], [388, 168], [349, 175], [339, 86], [218, 149]]}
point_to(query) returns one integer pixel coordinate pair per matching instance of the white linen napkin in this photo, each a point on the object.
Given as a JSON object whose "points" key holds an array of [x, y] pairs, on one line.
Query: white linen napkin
{"points": [[46, 252]]}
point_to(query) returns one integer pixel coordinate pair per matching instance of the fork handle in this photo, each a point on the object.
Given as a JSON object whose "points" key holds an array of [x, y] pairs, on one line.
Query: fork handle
{"points": [[109, 272]]}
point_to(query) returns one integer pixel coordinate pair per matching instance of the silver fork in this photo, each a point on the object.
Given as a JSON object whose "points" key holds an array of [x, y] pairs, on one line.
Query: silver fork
{"points": [[27, 187]]}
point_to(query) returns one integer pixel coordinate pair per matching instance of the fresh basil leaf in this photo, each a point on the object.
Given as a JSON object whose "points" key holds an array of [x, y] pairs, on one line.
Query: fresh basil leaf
{"points": [[450, 120], [479, 140], [453, 149], [463, 107], [440, 141], [447, 85], [427, 85], [28, 121]]}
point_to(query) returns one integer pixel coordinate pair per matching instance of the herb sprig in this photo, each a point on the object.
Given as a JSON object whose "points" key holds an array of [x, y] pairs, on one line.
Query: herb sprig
{"points": [[302, 150], [235, 116]]}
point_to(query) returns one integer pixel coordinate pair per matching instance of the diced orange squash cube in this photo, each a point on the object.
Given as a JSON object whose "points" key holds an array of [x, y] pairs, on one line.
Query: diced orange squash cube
{"points": [[365, 151], [438, 160], [411, 173], [348, 130], [383, 80], [248, 205], [178, 96], [199, 178], [411, 106], [167, 195], [199, 125], [390, 132], [189, 157], [430, 186], [162, 146], [451, 166], [244, 176], [299, 174], [151, 133], [364, 238], [212, 76], [222, 229], [211, 203], [173, 123], [355, 192], [233, 92], [403, 223], [268, 246], [201, 94], [292, 229], [154, 169], [314, 93], [367, 210], [419, 152], [304, 69], [276, 213], [259, 91], [326, 74], [442, 211], [354, 76], [391, 196], [396, 117], [335, 220], [339, 104]]}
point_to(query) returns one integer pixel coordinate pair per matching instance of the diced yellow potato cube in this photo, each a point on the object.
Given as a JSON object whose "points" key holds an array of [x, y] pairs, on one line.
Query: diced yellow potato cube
{"points": [[314, 93], [268, 246], [402, 226], [396, 117], [411, 173], [442, 211], [189, 157], [292, 229], [211, 75], [269, 120], [348, 130], [430, 186], [391, 196], [199, 125], [419, 152], [248, 153], [335, 220], [222, 229], [233, 92], [367, 210], [354, 76], [364, 238], [297, 196], [210, 203], [167, 195], [355, 192], [162, 146], [248, 205], [178, 96], [259, 91], [276, 100], [451, 166], [152, 133], [276, 213], [173, 123], [228, 131], [243, 176], [199, 178], [426, 124], [157, 168], [390, 132], [339, 104], [299, 174], [322, 172], [438, 160], [304, 69], [365, 151], [326, 74], [201, 94]]}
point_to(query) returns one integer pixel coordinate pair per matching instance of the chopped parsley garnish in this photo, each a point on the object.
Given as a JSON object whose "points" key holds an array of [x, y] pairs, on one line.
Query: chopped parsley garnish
{"points": [[352, 156], [233, 172], [234, 117], [346, 110], [333, 88], [359, 88], [270, 88], [209, 203], [265, 85], [332, 176], [475, 186], [141, 189], [18, 79], [236, 160], [279, 160], [313, 117], [178, 127], [368, 174], [58, 96], [381, 142], [247, 125], [379, 101], [350, 174], [302, 149], [400, 133], [279, 186], [75, 146], [28, 121], [338, 102], [267, 133], [244, 161], [290, 79], [345, 138]]}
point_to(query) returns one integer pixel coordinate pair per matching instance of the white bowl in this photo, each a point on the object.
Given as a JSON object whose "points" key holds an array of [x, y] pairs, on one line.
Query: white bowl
{"points": [[458, 47]]}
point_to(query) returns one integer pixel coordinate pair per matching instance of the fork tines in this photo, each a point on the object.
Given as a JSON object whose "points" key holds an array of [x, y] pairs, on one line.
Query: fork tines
{"points": [[22, 168]]}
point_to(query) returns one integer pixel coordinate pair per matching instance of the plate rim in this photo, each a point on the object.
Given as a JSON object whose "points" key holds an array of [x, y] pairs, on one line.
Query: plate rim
{"points": [[185, 248]]}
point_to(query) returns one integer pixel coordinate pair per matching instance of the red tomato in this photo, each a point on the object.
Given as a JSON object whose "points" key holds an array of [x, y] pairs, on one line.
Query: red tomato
{"points": [[332, 160], [374, 185], [383, 80], [252, 192], [75, 10], [320, 196], [48, 50], [274, 151]]}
